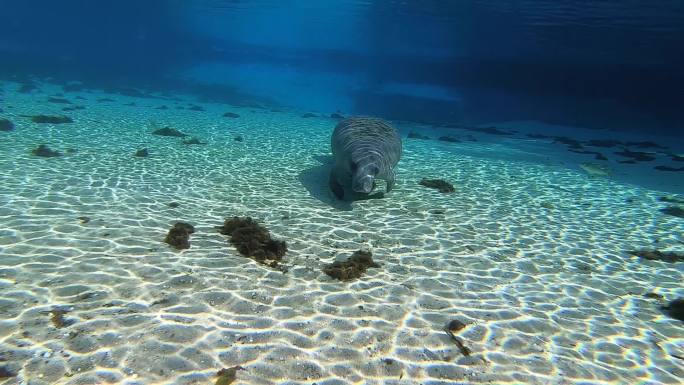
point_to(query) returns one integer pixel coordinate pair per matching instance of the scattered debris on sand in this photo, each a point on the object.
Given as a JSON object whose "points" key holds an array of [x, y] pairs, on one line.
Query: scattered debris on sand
{"points": [[443, 186], [254, 241], [179, 235], [352, 268], [57, 318], [84, 220], [238, 138]]}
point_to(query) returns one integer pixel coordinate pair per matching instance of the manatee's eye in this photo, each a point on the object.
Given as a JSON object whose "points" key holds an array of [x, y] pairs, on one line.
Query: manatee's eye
{"points": [[353, 166]]}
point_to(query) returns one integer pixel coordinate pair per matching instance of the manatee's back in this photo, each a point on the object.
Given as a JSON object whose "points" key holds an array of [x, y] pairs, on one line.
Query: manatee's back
{"points": [[362, 134]]}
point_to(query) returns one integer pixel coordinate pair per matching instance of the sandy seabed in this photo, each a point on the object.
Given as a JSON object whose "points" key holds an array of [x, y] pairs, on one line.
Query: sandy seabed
{"points": [[531, 256]]}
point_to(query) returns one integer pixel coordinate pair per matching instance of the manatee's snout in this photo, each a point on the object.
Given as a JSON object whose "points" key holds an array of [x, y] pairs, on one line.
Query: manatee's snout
{"points": [[363, 184]]}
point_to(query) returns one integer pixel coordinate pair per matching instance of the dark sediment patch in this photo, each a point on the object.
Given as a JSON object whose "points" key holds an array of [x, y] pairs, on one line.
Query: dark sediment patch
{"points": [[51, 119], [27, 87], [105, 100], [58, 100], [675, 309], [192, 141], [630, 161], [168, 131], [485, 130], [72, 87], [571, 143], [6, 125], [415, 135], [636, 155], [336, 116], [449, 139], [194, 107], [164, 107], [173, 205], [179, 235], [6, 373], [603, 143], [44, 151], [352, 268], [671, 199], [675, 211], [667, 168], [645, 145], [597, 155], [142, 153], [537, 136], [657, 255], [231, 115], [254, 241], [676, 158], [131, 104], [443, 186], [73, 108], [309, 115], [238, 138]]}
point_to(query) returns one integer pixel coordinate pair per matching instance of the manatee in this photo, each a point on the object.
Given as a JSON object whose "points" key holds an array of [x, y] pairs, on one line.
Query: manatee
{"points": [[364, 149]]}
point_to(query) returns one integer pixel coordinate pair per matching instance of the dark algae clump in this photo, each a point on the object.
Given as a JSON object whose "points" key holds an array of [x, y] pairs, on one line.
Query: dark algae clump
{"points": [[415, 135], [675, 309], [352, 268], [227, 376], [51, 119], [253, 240], [6, 125], [142, 153], [57, 318], [6, 373], [179, 235], [453, 327], [45, 152], [231, 115], [168, 131], [443, 186], [657, 255], [675, 211]]}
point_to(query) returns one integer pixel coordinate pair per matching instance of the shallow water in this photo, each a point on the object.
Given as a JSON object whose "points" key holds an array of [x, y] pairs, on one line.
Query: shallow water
{"points": [[530, 252]]}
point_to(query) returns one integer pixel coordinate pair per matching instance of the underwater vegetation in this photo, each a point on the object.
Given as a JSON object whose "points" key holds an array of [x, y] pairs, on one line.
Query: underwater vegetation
{"points": [[449, 139], [309, 115], [674, 211], [451, 328], [657, 255], [227, 376], [179, 235], [353, 268], [51, 119], [142, 153], [231, 115], [254, 241], [443, 186], [675, 309], [415, 135], [44, 151], [6, 125], [55, 100], [168, 131]]}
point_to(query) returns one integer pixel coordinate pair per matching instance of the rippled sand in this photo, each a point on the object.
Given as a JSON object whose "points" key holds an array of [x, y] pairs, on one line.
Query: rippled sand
{"points": [[531, 257]]}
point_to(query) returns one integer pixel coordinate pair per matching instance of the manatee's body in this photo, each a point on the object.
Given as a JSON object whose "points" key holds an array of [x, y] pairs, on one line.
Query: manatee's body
{"points": [[364, 149]]}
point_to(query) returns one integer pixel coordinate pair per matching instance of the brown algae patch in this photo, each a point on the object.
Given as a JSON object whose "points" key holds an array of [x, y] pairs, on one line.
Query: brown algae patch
{"points": [[352, 268], [254, 241]]}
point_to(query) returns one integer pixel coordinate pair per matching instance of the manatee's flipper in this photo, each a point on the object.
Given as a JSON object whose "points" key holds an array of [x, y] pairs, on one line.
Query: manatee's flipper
{"points": [[335, 186], [390, 181]]}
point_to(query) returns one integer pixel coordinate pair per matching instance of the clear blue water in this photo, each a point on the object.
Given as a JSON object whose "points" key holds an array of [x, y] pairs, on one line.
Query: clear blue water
{"points": [[602, 64]]}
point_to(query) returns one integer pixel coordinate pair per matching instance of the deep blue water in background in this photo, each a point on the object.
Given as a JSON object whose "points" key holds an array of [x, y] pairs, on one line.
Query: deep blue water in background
{"points": [[599, 64]]}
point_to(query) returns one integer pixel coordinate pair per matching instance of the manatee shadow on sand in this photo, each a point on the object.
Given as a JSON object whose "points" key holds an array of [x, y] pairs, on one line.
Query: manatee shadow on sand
{"points": [[315, 180]]}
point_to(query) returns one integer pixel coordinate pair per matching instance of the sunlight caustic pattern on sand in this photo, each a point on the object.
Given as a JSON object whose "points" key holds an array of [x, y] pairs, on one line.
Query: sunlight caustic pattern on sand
{"points": [[531, 257]]}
